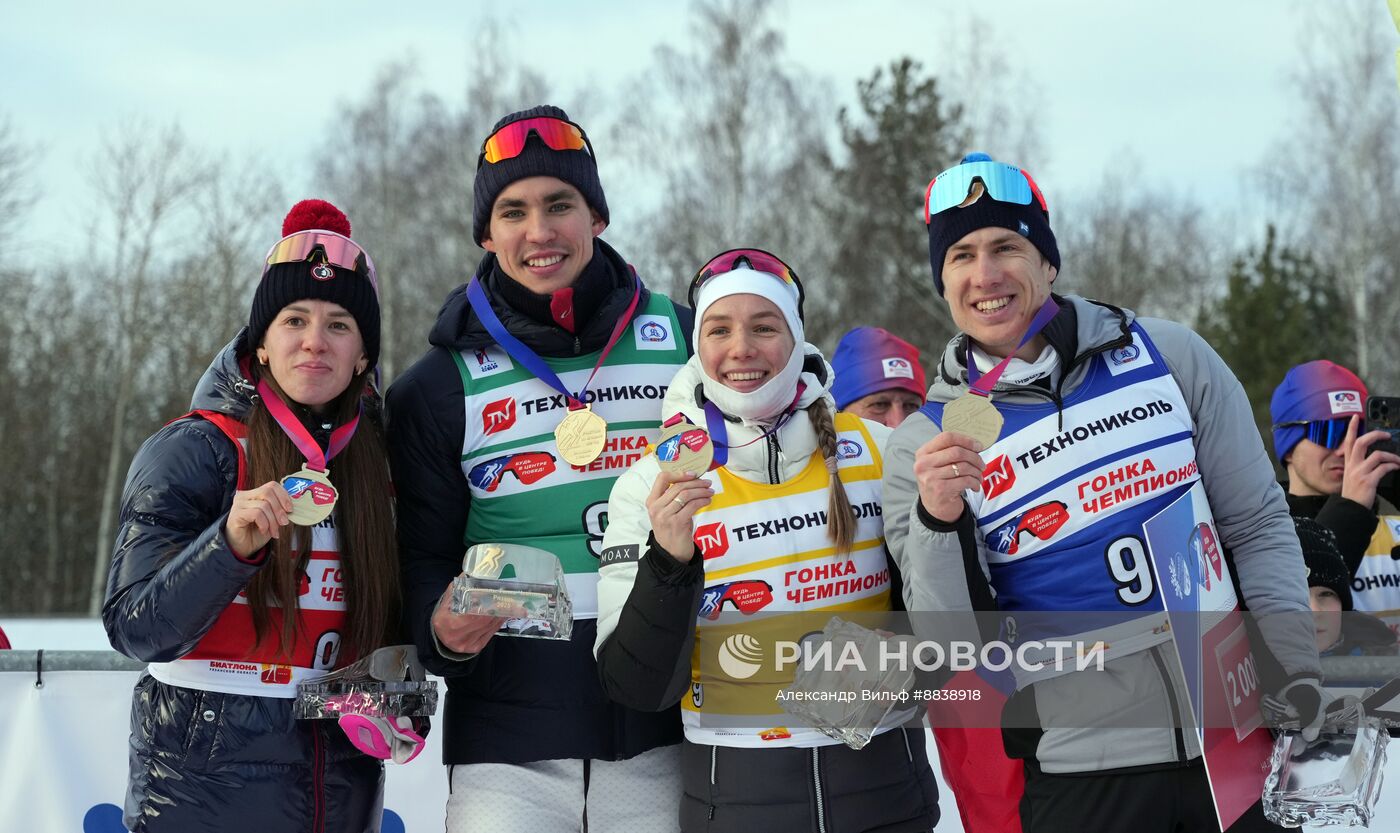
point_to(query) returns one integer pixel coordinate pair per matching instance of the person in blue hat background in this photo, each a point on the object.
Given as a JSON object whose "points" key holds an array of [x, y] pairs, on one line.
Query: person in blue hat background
{"points": [[878, 376], [1334, 475]]}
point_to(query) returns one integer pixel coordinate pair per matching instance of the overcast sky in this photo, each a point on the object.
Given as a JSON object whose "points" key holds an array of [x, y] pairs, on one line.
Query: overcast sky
{"points": [[1194, 91]]}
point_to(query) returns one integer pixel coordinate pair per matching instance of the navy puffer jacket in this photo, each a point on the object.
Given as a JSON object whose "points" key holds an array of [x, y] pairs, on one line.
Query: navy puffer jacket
{"points": [[207, 761]]}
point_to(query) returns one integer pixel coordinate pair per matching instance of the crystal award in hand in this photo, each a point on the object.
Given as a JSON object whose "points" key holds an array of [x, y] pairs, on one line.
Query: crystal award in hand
{"points": [[1334, 781], [845, 693], [524, 585], [389, 682]]}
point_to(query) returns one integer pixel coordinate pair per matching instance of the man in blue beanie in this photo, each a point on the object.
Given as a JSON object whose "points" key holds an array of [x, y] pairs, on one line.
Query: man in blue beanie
{"points": [[1333, 473], [1056, 429]]}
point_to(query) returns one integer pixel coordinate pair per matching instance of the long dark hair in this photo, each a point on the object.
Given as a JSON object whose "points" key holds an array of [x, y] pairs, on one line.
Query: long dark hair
{"points": [[364, 519]]}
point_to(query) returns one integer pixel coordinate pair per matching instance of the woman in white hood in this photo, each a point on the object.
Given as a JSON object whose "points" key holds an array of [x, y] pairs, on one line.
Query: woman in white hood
{"points": [[787, 521]]}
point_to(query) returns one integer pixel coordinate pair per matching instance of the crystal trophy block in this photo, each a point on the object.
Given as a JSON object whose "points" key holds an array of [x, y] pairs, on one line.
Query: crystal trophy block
{"points": [[524, 585], [1332, 782], [844, 692], [389, 682]]}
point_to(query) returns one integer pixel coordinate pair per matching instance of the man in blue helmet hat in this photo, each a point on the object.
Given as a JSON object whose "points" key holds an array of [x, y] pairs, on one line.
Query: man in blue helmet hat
{"points": [[1078, 422]]}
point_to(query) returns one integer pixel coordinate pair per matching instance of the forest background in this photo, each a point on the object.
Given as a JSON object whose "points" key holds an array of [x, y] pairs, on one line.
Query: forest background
{"points": [[130, 264]]}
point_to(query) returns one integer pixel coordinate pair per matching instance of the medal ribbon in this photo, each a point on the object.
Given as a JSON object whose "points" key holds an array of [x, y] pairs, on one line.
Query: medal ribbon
{"points": [[298, 433], [719, 433], [476, 296], [982, 385]]}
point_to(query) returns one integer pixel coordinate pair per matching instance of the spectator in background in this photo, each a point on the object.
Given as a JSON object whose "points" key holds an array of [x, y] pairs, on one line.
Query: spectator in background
{"points": [[1332, 475], [878, 376], [1341, 630]]}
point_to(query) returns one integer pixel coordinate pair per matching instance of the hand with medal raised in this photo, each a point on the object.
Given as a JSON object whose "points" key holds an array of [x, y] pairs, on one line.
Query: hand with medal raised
{"points": [[945, 467], [675, 498], [256, 516], [951, 463]]}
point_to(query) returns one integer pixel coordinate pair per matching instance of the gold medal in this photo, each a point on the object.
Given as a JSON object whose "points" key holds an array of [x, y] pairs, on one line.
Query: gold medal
{"points": [[581, 436], [313, 496], [684, 447], [974, 416]]}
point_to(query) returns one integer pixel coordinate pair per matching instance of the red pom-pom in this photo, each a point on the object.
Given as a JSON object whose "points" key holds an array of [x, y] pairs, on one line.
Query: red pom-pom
{"points": [[315, 214]]}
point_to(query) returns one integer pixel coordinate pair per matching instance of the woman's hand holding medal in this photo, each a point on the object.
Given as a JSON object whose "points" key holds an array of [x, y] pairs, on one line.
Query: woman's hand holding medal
{"points": [[672, 504], [255, 517], [945, 467]]}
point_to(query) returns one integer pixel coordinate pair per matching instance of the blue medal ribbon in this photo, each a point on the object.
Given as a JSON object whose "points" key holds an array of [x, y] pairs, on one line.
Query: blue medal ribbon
{"points": [[528, 359]]}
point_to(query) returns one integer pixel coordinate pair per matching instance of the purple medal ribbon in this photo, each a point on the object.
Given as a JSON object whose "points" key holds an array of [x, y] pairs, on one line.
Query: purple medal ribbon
{"points": [[298, 433], [719, 433], [481, 305], [982, 385]]}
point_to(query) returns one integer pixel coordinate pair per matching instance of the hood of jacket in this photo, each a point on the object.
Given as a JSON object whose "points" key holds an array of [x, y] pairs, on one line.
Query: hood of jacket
{"points": [[1082, 328], [459, 328], [223, 388], [748, 455]]}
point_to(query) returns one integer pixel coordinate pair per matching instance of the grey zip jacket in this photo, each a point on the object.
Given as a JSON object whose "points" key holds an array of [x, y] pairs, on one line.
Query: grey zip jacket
{"points": [[945, 565]]}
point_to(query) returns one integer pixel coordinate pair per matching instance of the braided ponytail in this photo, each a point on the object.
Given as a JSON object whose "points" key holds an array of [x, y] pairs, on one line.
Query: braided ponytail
{"points": [[841, 519]]}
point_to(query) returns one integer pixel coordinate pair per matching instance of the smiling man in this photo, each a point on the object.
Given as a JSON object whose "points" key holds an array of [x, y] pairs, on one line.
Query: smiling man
{"points": [[1064, 408], [544, 384]]}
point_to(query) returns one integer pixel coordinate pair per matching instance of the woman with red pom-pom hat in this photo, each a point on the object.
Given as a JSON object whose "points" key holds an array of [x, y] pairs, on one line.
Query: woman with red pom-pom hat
{"points": [[256, 552]]}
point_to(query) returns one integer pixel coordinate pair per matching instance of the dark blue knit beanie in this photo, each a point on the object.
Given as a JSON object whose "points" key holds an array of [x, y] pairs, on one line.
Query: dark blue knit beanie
{"points": [[949, 226]]}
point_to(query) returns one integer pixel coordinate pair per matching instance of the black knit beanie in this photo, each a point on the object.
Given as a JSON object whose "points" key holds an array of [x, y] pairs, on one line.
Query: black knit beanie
{"points": [[314, 279], [576, 167], [949, 226], [1326, 567]]}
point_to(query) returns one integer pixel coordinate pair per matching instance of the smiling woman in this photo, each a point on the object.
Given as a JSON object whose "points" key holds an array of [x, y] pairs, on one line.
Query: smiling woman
{"points": [[236, 587], [780, 458]]}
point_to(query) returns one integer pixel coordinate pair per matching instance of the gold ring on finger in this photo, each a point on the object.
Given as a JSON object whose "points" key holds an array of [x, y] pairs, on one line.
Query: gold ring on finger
{"points": [[956, 473], [678, 500]]}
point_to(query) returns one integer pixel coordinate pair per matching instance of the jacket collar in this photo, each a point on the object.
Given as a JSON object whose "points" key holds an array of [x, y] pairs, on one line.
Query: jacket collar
{"points": [[748, 456], [458, 328], [224, 388], [1082, 327]]}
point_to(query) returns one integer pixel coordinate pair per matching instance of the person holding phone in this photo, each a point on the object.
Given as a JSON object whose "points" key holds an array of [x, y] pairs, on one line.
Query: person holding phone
{"points": [[1334, 472]]}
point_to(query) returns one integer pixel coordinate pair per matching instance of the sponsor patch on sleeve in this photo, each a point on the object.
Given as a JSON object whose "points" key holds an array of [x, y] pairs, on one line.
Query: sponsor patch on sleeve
{"points": [[620, 555]]}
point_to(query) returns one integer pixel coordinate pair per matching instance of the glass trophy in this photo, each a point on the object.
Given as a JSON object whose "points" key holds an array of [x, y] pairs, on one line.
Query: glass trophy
{"points": [[845, 693], [1334, 781], [389, 682], [524, 585]]}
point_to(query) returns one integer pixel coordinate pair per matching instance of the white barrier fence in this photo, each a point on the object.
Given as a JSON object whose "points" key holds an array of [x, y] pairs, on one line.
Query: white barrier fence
{"points": [[63, 753], [63, 757]]}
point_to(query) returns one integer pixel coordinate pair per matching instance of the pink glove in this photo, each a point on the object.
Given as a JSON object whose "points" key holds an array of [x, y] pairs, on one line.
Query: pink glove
{"points": [[385, 738]]}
